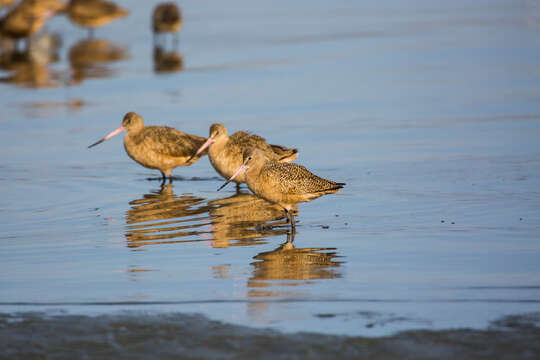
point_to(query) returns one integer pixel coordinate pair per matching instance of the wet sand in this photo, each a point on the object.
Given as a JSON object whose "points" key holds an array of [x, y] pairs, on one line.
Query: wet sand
{"points": [[135, 336]]}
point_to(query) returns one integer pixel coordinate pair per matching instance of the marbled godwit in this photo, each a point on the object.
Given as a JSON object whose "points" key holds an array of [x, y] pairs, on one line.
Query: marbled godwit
{"points": [[166, 18], [25, 19], [225, 152], [156, 147], [284, 184], [4, 3], [94, 13]]}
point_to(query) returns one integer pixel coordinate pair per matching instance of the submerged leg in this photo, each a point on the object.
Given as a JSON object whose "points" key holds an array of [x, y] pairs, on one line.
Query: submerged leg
{"points": [[168, 173], [290, 217], [163, 178]]}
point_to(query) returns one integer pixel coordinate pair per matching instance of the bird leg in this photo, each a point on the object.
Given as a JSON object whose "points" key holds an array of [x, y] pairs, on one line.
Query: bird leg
{"points": [[290, 217], [163, 178], [175, 41]]}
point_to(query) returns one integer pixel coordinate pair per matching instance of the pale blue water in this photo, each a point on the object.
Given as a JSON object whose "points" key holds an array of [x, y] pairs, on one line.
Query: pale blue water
{"points": [[429, 111]]}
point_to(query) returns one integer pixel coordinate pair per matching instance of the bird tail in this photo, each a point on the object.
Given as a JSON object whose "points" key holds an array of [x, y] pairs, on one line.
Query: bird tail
{"points": [[285, 154]]}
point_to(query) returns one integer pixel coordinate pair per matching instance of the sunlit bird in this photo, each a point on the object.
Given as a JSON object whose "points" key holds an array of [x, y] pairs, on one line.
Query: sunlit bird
{"points": [[157, 147], [225, 152], [94, 13], [28, 17], [5, 3], [284, 184], [166, 18]]}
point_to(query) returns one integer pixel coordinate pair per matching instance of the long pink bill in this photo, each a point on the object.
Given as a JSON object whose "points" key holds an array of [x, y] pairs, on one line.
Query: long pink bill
{"points": [[238, 172], [206, 144], [115, 132]]}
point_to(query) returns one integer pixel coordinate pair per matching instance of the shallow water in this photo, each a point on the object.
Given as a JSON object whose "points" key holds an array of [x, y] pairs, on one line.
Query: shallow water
{"points": [[428, 111]]}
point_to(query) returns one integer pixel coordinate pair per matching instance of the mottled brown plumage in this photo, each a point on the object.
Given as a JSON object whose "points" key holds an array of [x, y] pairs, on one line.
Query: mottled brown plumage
{"points": [[166, 18], [4, 3], [94, 13], [157, 147], [225, 152], [28, 17], [282, 183]]}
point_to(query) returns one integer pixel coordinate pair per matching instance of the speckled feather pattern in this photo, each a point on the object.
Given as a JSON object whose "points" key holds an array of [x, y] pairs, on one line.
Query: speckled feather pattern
{"points": [[286, 183], [226, 156], [294, 179], [162, 147], [241, 140], [168, 141]]}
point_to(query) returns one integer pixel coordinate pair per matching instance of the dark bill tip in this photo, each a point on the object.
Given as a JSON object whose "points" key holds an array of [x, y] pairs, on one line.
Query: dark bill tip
{"points": [[224, 184], [96, 143]]}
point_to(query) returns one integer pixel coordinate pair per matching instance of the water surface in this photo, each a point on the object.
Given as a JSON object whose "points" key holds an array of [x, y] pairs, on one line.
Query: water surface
{"points": [[429, 111]]}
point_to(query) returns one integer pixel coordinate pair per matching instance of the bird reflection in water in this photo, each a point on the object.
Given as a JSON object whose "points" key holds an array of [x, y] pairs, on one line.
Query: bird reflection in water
{"points": [[244, 219], [167, 61], [291, 266], [89, 59], [30, 67], [161, 217]]}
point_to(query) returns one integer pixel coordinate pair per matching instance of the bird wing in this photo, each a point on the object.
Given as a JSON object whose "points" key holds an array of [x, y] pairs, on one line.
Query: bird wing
{"points": [[91, 9], [171, 142], [292, 178], [246, 140]]}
